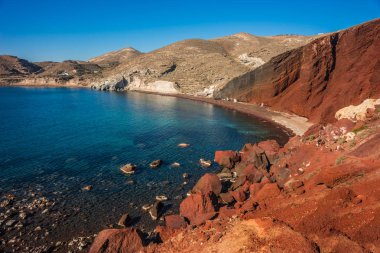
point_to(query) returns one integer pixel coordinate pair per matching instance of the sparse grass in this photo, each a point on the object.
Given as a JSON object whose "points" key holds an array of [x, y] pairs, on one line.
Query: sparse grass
{"points": [[340, 141], [340, 160], [352, 144], [310, 137], [359, 129]]}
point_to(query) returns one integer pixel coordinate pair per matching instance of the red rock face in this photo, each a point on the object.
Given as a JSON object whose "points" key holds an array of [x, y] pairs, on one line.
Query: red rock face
{"points": [[175, 221], [319, 78], [198, 208], [117, 240], [226, 158], [208, 183]]}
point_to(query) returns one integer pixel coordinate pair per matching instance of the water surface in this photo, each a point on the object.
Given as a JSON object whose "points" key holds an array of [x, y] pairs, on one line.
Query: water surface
{"points": [[54, 141]]}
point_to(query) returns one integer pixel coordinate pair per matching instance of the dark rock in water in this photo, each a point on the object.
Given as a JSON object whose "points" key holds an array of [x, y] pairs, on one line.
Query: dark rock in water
{"points": [[205, 163], [10, 223], [87, 188], [130, 182], [155, 164], [129, 168], [155, 210], [123, 222], [147, 207], [161, 198]]}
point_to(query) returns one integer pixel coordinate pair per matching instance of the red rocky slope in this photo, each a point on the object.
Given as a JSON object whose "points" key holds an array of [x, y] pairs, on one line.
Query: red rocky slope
{"points": [[319, 78]]}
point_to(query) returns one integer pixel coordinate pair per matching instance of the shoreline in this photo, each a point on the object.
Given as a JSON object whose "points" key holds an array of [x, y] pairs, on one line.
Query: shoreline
{"points": [[291, 124]]}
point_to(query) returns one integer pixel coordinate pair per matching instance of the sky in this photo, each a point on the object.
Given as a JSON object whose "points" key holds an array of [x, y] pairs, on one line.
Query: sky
{"points": [[40, 30]]}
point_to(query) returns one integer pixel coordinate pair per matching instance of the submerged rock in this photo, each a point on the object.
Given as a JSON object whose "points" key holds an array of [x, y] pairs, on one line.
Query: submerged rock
{"points": [[161, 198], [155, 210], [123, 222], [155, 164], [205, 163], [87, 188], [146, 207], [129, 168], [175, 164]]}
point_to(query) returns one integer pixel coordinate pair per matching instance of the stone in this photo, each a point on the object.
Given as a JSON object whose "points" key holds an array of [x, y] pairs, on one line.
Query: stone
{"points": [[183, 145], [175, 221], [226, 198], [155, 164], [117, 240], [161, 198], [185, 175], [175, 164], [252, 174], [123, 222], [292, 185], [268, 191], [22, 215], [10, 223], [146, 207], [239, 195], [155, 210], [271, 149], [205, 163], [208, 183], [226, 158], [252, 153], [198, 208], [128, 168], [87, 188]]}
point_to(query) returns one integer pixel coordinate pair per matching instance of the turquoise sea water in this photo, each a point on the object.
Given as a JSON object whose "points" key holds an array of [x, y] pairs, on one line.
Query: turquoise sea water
{"points": [[54, 141]]}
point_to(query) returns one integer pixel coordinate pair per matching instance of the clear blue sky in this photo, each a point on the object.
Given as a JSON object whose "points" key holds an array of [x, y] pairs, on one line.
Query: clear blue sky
{"points": [[74, 29]]}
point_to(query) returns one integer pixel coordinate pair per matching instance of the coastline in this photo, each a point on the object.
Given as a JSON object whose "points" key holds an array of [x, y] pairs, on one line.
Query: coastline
{"points": [[291, 124]]}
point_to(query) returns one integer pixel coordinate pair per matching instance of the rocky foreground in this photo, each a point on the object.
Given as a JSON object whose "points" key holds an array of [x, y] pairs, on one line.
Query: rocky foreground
{"points": [[318, 193]]}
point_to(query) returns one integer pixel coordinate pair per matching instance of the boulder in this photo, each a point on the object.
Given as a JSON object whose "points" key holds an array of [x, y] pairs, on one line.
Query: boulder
{"points": [[292, 185], [208, 183], [205, 163], [238, 182], [123, 222], [198, 208], [239, 195], [226, 158], [254, 188], [117, 240], [268, 191], [271, 148], [155, 210], [175, 221], [155, 164], [226, 198], [226, 211], [252, 173], [252, 153], [128, 168], [183, 145]]}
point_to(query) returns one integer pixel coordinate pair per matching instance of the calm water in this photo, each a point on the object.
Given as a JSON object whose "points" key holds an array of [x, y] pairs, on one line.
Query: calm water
{"points": [[54, 141]]}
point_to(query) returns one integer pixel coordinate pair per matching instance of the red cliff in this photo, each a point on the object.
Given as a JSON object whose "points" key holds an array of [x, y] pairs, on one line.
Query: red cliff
{"points": [[316, 80]]}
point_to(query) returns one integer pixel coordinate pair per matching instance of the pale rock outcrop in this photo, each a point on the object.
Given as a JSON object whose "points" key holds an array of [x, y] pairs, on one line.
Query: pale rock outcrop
{"points": [[358, 112], [250, 60]]}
